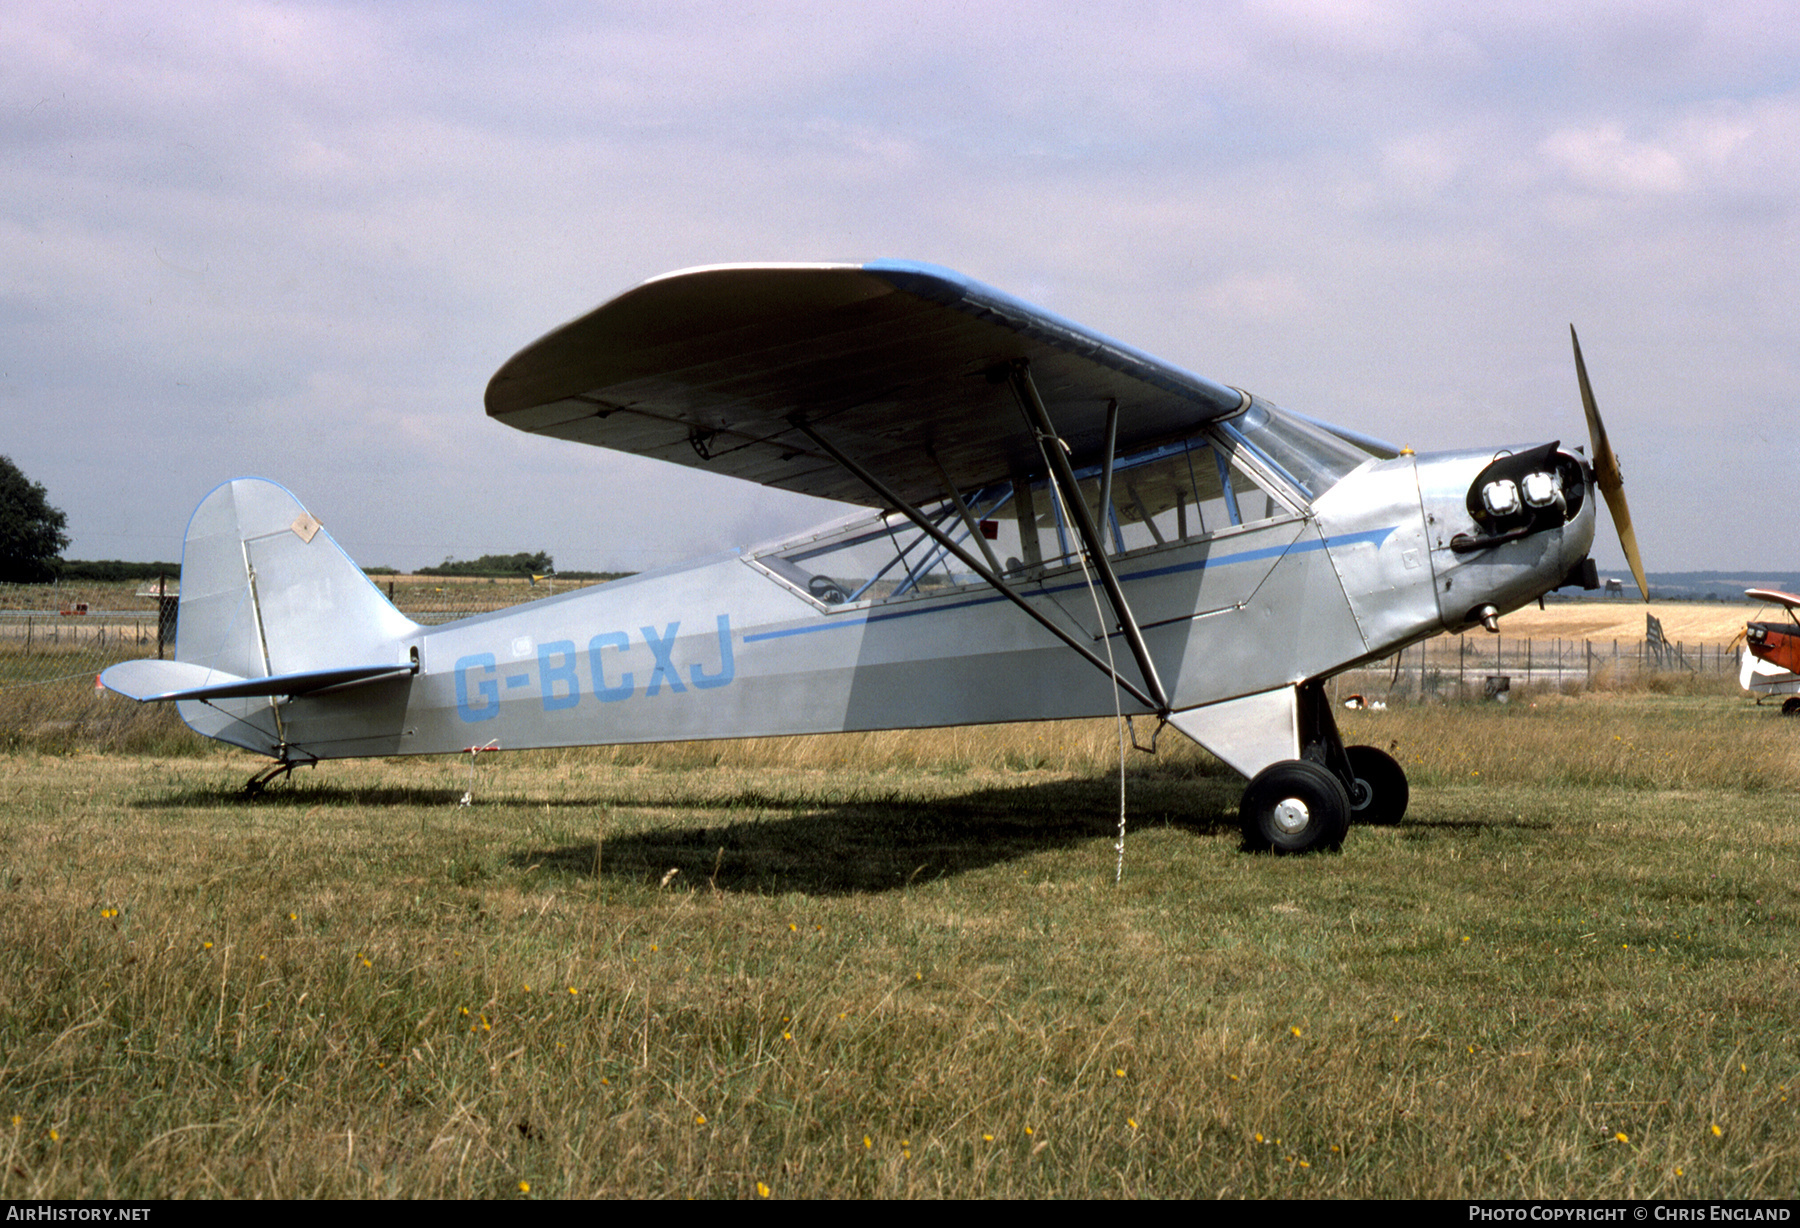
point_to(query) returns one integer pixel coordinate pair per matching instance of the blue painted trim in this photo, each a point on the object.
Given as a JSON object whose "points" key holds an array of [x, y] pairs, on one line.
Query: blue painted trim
{"points": [[836, 624]]}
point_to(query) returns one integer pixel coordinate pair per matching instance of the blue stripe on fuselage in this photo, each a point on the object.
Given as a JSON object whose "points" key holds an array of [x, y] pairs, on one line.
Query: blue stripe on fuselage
{"points": [[1373, 537]]}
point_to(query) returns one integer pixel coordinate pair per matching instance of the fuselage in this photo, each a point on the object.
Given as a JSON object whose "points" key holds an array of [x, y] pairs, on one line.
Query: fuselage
{"points": [[739, 645]]}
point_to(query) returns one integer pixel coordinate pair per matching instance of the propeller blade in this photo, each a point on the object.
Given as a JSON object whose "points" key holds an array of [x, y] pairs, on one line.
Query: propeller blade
{"points": [[1606, 472]]}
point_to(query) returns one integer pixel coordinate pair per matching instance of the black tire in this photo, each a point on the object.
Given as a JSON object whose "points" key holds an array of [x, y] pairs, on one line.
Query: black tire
{"points": [[1791, 706], [1378, 790], [1294, 807]]}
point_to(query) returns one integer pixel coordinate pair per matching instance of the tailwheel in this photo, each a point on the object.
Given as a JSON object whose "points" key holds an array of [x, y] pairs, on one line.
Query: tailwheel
{"points": [[1294, 806], [1378, 790], [1791, 706], [257, 784]]}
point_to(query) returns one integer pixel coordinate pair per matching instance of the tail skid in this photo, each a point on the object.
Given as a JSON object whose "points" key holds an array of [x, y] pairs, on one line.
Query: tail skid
{"points": [[271, 607]]}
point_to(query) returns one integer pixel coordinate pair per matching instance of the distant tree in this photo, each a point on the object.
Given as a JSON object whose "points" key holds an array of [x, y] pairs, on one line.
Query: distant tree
{"points": [[31, 531], [113, 570], [521, 564]]}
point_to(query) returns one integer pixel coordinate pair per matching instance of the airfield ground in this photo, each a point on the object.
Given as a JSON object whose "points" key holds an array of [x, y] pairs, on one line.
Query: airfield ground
{"points": [[898, 965]]}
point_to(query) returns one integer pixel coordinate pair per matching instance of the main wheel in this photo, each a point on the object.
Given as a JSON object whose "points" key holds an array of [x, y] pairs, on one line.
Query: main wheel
{"points": [[1294, 807], [1378, 792]]}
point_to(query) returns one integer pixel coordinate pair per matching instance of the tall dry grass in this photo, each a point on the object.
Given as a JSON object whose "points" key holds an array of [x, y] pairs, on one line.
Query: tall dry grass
{"points": [[897, 965]]}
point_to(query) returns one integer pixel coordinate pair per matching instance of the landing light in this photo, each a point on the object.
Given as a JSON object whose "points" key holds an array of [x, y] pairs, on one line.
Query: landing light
{"points": [[1543, 489], [1501, 498]]}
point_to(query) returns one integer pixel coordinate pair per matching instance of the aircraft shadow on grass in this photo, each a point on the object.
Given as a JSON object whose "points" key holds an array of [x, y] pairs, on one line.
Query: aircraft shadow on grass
{"points": [[874, 843], [877, 843]]}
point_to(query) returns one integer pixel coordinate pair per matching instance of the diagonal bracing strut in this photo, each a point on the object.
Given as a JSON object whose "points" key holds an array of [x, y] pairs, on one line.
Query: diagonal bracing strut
{"points": [[889, 499], [1019, 374]]}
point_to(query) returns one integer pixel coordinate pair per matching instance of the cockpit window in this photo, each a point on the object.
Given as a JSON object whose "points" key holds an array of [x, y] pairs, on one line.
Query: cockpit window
{"points": [[1187, 489], [1164, 496], [1310, 457]]}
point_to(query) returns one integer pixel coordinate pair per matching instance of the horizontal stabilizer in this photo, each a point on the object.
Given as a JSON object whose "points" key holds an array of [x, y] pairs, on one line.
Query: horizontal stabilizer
{"points": [[147, 681]]}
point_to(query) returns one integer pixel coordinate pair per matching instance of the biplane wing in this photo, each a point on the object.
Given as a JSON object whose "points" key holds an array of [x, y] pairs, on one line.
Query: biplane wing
{"points": [[1774, 597], [899, 362]]}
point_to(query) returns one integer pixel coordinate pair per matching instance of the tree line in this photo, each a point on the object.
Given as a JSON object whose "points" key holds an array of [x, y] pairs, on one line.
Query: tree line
{"points": [[33, 535]]}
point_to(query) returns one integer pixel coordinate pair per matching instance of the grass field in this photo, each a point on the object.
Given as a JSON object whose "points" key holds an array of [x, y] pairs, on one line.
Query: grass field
{"points": [[898, 965]]}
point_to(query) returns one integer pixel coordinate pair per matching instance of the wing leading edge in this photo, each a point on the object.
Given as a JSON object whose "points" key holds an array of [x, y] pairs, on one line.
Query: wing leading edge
{"points": [[899, 364]]}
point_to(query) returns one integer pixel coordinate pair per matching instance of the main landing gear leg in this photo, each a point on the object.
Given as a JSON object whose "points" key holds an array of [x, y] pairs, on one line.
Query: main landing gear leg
{"points": [[1300, 805], [1375, 782]]}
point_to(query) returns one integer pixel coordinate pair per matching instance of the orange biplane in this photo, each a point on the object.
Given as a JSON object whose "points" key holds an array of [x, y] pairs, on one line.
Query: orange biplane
{"points": [[1772, 666]]}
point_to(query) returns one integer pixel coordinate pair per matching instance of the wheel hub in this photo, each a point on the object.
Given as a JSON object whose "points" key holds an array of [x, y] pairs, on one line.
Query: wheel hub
{"points": [[1291, 815]]}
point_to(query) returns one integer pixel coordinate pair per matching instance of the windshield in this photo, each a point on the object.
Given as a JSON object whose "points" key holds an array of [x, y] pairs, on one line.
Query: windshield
{"points": [[1310, 457]]}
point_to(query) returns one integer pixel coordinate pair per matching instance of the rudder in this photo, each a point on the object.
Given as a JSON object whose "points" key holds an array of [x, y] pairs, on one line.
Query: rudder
{"points": [[265, 590]]}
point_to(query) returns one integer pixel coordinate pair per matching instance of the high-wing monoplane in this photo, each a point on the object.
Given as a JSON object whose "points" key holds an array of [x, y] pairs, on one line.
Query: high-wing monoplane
{"points": [[1060, 525], [1772, 664]]}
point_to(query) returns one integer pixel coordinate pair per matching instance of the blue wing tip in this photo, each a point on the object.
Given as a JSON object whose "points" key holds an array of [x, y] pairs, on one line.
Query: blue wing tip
{"points": [[928, 281]]}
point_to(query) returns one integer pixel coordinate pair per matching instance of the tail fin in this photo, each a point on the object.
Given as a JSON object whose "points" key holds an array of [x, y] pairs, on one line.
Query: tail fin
{"points": [[270, 606], [265, 591]]}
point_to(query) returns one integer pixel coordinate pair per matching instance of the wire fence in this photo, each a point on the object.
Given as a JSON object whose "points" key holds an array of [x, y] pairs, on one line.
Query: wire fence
{"points": [[55, 640], [1480, 666]]}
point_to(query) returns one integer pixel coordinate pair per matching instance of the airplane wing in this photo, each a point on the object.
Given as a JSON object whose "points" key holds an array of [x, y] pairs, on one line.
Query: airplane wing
{"points": [[895, 362], [1775, 596]]}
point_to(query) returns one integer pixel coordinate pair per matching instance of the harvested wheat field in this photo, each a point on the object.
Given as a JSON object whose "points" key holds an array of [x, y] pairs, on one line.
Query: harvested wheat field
{"points": [[1695, 622]]}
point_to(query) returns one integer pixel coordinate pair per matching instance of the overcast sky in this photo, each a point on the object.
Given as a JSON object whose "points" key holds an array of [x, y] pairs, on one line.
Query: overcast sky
{"points": [[294, 240]]}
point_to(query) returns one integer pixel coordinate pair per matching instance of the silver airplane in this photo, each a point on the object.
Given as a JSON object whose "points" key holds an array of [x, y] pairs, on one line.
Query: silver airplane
{"points": [[1063, 526]]}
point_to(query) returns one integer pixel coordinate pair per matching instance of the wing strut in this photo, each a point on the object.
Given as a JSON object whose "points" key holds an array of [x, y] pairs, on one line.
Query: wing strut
{"points": [[889, 499], [1058, 458], [968, 518]]}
